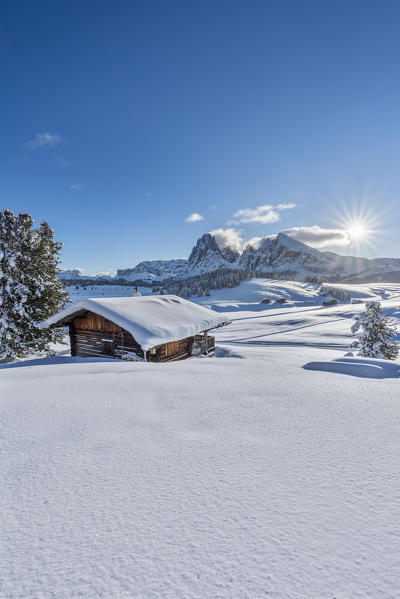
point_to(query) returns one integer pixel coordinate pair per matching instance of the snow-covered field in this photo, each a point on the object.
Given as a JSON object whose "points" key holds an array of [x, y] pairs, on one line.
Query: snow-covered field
{"points": [[270, 470]]}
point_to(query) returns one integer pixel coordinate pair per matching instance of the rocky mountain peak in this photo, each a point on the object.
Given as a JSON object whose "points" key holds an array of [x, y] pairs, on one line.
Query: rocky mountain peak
{"points": [[207, 256]]}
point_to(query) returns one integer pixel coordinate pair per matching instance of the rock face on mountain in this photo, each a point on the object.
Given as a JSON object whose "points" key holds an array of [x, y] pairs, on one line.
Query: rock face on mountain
{"points": [[282, 254], [207, 256], [70, 274], [289, 258], [76, 274]]}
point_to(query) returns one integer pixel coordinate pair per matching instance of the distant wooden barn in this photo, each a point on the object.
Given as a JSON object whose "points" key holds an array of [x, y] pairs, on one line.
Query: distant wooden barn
{"points": [[153, 328]]}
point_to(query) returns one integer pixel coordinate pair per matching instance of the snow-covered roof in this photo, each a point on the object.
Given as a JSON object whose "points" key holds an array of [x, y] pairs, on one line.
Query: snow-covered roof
{"points": [[151, 320]]}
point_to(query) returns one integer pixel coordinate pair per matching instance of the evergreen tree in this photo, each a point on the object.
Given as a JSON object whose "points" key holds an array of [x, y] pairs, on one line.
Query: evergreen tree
{"points": [[30, 290], [375, 334], [48, 295], [16, 327]]}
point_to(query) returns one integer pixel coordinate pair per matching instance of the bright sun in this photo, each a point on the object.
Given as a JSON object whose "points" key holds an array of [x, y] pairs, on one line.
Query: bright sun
{"points": [[360, 225], [357, 231]]}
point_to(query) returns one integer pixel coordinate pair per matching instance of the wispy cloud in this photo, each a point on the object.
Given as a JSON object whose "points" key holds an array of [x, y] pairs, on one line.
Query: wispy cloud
{"points": [[194, 218], [76, 187], [63, 162], [262, 214], [285, 206], [43, 140], [319, 237]]}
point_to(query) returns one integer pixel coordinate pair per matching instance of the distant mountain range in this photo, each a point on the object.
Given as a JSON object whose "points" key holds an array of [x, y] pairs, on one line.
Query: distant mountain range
{"points": [[277, 256]]}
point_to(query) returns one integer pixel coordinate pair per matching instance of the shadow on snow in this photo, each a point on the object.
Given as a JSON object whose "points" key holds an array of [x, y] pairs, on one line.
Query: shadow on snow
{"points": [[357, 367], [55, 360]]}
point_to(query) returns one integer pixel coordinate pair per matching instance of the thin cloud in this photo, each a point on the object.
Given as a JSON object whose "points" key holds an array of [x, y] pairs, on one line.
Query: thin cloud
{"points": [[194, 218], [43, 140], [62, 162], [262, 214], [254, 242], [318, 237], [285, 206], [76, 187]]}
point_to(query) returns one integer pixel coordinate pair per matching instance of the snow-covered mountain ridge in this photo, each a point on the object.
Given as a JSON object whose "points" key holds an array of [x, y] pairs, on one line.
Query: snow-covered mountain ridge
{"points": [[154, 270], [279, 256]]}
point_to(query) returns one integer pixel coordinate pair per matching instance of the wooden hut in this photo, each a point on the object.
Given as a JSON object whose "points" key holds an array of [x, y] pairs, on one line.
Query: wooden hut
{"points": [[152, 328]]}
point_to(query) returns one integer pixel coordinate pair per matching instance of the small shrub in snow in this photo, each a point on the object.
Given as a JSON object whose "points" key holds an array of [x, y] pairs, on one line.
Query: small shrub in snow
{"points": [[375, 334], [313, 279]]}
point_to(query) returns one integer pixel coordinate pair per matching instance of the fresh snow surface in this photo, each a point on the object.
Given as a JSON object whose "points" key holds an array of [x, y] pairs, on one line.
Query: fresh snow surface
{"points": [[270, 470], [151, 320]]}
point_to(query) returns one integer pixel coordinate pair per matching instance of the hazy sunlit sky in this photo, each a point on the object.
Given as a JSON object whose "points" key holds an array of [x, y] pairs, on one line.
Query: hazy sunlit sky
{"points": [[134, 127]]}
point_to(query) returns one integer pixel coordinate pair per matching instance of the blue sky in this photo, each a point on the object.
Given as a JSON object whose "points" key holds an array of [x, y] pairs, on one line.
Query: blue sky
{"points": [[122, 119]]}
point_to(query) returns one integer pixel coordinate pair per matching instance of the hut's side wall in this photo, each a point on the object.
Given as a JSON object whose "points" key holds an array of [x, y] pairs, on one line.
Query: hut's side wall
{"points": [[92, 335], [176, 350]]}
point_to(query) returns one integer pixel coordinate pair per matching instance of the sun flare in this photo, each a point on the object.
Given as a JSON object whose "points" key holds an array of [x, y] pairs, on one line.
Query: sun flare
{"points": [[357, 232], [361, 225]]}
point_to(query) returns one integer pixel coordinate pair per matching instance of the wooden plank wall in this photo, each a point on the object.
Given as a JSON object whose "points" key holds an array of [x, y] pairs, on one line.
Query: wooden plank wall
{"points": [[176, 350], [89, 335]]}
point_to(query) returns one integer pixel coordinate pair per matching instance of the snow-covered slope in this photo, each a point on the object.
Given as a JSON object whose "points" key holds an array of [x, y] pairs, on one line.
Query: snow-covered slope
{"points": [[267, 471], [249, 294]]}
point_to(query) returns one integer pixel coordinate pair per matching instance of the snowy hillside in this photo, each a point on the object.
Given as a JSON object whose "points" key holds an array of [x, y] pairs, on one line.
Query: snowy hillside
{"points": [[249, 294], [268, 470]]}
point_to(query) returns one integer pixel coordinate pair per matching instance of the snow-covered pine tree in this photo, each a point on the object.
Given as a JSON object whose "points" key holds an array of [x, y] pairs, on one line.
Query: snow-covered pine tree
{"points": [[48, 294], [29, 288], [375, 334], [16, 326]]}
